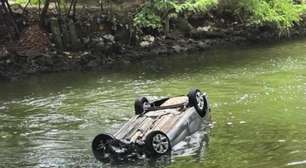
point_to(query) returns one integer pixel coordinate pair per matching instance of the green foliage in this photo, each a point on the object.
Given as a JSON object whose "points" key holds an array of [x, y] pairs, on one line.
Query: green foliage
{"points": [[196, 6], [34, 2], [147, 18], [282, 13], [154, 12]]}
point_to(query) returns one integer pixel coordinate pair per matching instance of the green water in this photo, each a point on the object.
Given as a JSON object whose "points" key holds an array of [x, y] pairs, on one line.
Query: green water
{"points": [[258, 98]]}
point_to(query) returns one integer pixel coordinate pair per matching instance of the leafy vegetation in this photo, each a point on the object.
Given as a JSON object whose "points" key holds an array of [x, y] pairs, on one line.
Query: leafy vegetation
{"points": [[281, 13], [27, 1], [156, 13]]}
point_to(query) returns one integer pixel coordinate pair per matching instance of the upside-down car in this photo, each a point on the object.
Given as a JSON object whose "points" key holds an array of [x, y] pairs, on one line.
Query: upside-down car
{"points": [[156, 127]]}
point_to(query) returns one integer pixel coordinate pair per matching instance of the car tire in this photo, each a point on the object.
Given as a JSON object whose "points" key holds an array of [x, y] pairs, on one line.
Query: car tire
{"points": [[198, 101], [140, 105], [157, 143], [100, 147]]}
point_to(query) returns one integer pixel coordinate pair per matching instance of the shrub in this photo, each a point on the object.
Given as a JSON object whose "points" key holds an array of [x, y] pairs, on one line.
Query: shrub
{"points": [[34, 2], [156, 13], [282, 13]]}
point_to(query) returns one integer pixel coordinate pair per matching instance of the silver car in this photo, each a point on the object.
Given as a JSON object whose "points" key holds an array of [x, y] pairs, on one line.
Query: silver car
{"points": [[156, 127]]}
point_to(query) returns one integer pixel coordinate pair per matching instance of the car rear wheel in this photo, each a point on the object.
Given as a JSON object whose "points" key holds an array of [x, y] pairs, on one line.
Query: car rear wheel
{"points": [[141, 105], [100, 147], [198, 101], [157, 143]]}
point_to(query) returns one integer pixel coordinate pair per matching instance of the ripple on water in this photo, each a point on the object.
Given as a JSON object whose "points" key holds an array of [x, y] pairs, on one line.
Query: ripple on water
{"points": [[297, 163], [51, 120], [47, 102], [257, 96], [3, 107]]}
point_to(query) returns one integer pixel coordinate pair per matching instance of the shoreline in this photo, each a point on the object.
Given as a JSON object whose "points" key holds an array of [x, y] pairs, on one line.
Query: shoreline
{"points": [[14, 66], [100, 51]]}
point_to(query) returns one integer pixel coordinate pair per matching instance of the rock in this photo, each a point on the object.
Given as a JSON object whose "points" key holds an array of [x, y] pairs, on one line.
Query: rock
{"points": [[145, 44], [178, 48], [97, 40], [202, 45], [123, 36], [86, 40], [109, 38], [183, 25], [3, 52], [100, 44], [92, 64], [66, 53], [206, 34], [85, 53], [29, 53], [148, 40], [205, 28]]}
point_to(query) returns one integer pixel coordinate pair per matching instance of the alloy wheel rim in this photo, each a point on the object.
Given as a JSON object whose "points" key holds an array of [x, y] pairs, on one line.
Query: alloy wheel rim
{"points": [[200, 100], [160, 143]]}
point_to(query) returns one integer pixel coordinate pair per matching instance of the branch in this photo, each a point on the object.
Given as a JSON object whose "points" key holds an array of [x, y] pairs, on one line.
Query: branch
{"points": [[29, 1]]}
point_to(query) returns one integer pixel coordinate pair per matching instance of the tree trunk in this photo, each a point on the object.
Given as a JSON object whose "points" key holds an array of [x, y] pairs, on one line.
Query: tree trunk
{"points": [[44, 13], [166, 24], [74, 39], [56, 32], [8, 19]]}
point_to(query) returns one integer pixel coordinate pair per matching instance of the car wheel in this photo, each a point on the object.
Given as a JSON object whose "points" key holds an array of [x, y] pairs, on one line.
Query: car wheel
{"points": [[100, 147], [141, 105], [198, 101], [157, 143]]}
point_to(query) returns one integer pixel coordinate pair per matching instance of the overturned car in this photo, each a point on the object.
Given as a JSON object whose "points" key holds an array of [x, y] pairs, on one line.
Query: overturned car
{"points": [[156, 127]]}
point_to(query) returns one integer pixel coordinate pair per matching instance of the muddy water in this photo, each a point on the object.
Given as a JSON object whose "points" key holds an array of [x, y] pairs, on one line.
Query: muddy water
{"points": [[258, 97]]}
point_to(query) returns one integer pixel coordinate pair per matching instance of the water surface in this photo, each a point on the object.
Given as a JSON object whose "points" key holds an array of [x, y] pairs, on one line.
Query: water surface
{"points": [[258, 97]]}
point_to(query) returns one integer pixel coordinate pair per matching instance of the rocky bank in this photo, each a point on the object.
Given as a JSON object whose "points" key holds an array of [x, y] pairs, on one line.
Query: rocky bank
{"points": [[97, 41]]}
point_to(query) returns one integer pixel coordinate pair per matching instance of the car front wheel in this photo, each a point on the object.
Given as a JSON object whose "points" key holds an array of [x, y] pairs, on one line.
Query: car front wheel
{"points": [[158, 143], [100, 147]]}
